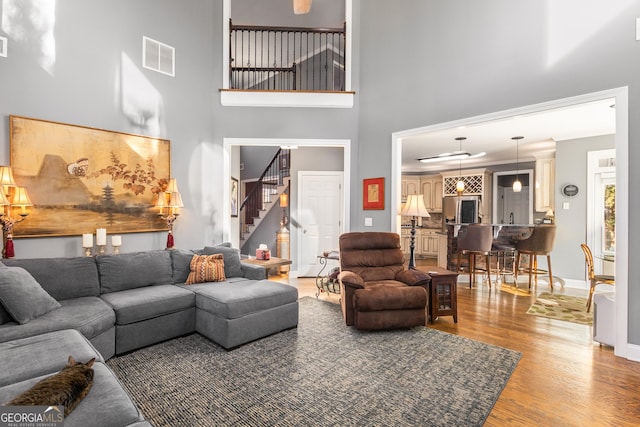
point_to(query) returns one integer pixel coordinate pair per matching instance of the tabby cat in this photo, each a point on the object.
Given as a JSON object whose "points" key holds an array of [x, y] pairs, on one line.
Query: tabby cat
{"points": [[68, 387]]}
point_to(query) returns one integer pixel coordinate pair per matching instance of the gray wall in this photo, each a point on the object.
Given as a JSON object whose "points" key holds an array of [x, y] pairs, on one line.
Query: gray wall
{"points": [[464, 59], [85, 87], [470, 58], [571, 168], [324, 13]]}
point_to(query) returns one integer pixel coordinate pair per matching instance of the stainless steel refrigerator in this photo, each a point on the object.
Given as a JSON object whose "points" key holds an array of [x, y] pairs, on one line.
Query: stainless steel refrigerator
{"points": [[460, 210]]}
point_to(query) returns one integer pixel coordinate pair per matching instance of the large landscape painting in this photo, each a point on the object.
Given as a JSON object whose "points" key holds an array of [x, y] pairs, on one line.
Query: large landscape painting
{"points": [[81, 178]]}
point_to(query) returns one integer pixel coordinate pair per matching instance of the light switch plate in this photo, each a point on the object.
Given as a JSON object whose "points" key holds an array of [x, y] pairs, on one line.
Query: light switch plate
{"points": [[368, 222], [3, 46]]}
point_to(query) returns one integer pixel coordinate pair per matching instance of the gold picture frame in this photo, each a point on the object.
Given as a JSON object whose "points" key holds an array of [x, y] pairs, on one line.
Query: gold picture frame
{"points": [[81, 178]]}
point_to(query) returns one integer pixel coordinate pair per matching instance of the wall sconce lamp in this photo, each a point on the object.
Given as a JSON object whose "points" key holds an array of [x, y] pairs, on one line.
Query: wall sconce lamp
{"points": [[284, 202], [414, 207], [12, 197], [169, 202]]}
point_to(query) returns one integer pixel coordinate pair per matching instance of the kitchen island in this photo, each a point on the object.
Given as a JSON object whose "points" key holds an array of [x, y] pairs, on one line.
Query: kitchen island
{"points": [[505, 236]]}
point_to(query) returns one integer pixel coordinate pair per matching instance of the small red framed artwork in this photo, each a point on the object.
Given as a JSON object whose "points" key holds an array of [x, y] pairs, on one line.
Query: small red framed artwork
{"points": [[373, 194]]}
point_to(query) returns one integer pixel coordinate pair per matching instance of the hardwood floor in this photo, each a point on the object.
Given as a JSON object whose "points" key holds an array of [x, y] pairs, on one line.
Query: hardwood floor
{"points": [[564, 378]]}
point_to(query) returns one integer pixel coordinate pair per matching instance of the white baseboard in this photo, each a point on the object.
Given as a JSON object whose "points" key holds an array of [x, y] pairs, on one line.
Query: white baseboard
{"points": [[633, 352]]}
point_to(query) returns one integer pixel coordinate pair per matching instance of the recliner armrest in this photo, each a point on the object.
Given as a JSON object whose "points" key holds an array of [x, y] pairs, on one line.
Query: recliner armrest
{"points": [[349, 278], [413, 277]]}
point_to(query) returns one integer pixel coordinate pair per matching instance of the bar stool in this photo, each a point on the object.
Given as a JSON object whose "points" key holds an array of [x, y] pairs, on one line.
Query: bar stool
{"points": [[505, 261], [477, 241], [539, 243]]}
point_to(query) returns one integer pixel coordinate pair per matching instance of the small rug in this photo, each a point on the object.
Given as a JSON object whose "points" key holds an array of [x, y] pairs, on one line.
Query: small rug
{"points": [[321, 373], [562, 307]]}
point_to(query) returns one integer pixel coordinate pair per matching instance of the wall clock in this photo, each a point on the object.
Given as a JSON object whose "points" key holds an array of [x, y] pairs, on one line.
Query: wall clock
{"points": [[570, 190]]}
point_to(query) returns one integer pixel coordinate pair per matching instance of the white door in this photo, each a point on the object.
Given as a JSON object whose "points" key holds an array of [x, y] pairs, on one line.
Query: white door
{"points": [[320, 217]]}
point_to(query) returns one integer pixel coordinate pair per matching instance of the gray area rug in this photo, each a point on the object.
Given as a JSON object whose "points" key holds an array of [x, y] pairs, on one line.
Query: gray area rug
{"points": [[321, 374]]}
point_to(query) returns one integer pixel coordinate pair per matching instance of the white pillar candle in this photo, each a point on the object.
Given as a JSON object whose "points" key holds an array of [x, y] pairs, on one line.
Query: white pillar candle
{"points": [[87, 240], [101, 236], [116, 240]]}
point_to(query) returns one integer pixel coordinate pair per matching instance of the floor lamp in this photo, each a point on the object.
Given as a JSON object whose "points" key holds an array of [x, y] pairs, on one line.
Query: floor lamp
{"points": [[414, 207]]}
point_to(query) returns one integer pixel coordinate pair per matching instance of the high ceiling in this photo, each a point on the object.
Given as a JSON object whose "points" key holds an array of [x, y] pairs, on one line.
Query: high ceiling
{"points": [[540, 132]]}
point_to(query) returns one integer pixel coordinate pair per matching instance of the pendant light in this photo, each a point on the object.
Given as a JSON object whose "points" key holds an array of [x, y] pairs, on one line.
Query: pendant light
{"points": [[517, 185], [460, 183], [300, 7]]}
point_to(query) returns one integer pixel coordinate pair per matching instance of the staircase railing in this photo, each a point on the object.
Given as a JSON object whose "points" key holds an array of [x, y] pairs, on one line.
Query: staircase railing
{"points": [[267, 185], [286, 58]]}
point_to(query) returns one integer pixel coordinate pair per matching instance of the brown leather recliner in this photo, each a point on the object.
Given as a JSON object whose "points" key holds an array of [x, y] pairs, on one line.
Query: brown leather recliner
{"points": [[377, 292]]}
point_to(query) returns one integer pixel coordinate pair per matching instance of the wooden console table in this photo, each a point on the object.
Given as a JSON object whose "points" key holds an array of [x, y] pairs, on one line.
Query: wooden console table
{"points": [[443, 297], [269, 264]]}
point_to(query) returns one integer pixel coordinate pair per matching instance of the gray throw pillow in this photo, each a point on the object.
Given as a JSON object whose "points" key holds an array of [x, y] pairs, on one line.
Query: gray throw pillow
{"points": [[23, 297], [232, 265]]}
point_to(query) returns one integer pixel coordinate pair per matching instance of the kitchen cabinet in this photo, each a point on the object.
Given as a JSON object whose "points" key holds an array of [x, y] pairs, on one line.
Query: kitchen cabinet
{"points": [[426, 244], [545, 183], [405, 242], [410, 185], [431, 188], [429, 243], [478, 182]]}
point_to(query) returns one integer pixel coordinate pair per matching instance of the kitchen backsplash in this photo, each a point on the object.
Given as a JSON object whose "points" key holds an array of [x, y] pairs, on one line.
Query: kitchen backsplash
{"points": [[434, 221]]}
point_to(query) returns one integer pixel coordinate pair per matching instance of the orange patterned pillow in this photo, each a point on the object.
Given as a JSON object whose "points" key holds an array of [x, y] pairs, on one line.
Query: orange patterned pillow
{"points": [[206, 268]]}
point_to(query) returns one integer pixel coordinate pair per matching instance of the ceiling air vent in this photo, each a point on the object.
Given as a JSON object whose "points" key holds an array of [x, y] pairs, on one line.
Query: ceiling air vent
{"points": [[158, 56], [3, 46]]}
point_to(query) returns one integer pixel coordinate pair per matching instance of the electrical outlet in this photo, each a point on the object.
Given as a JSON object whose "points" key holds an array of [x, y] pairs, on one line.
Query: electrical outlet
{"points": [[565, 206], [368, 222]]}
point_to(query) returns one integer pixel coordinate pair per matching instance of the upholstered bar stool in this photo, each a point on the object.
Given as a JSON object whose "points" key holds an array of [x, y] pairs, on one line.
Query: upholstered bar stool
{"points": [[505, 260], [539, 243], [477, 241]]}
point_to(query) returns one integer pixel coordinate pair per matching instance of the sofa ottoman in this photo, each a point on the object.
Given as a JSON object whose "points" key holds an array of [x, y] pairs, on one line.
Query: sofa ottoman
{"points": [[232, 314], [28, 360]]}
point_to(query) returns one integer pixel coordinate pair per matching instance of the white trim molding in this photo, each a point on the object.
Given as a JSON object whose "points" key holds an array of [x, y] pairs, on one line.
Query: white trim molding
{"points": [[623, 347], [239, 98]]}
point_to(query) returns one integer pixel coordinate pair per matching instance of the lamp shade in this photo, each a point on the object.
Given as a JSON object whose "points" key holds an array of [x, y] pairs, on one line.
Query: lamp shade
{"points": [[162, 201], [175, 200], [284, 200], [172, 187], [460, 186], [6, 176], [301, 7], [20, 197], [415, 206], [517, 186]]}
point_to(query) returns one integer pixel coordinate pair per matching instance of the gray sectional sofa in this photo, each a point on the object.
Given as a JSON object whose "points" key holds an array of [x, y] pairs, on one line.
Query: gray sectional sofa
{"points": [[113, 304]]}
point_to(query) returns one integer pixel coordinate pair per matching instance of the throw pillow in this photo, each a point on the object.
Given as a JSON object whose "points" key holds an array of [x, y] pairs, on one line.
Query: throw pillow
{"points": [[232, 264], [206, 268], [23, 297]]}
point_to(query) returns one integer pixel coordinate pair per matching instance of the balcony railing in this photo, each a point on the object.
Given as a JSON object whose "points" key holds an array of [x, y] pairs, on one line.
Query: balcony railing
{"points": [[286, 58]]}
